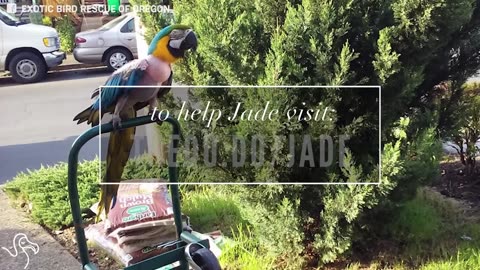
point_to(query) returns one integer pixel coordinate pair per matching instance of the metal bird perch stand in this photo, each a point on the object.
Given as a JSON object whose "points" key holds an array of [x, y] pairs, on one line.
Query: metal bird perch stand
{"points": [[167, 258]]}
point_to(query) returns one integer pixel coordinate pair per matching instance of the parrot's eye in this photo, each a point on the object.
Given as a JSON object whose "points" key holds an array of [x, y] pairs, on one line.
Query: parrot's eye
{"points": [[178, 34], [182, 40], [177, 37]]}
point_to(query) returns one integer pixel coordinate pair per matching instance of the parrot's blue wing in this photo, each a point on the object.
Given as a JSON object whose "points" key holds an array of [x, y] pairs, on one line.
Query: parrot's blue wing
{"points": [[129, 75]]}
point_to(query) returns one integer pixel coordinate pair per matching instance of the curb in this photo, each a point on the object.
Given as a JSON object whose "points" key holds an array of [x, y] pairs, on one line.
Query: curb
{"points": [[75, 66], [6, 76]]}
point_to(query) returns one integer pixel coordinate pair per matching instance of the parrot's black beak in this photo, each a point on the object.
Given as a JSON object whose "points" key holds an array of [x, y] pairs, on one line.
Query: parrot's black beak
{"points": [[190, 42]]}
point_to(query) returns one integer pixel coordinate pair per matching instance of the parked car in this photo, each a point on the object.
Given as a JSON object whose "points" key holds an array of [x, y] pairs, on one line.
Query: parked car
{"points": [[27, 50], [113, 44]]}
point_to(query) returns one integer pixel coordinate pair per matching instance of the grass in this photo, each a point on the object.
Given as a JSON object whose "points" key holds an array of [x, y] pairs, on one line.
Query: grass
{"points": [[212, 211], [433, 233], [244, 253], [417, 222], [211, 208], [464, 260], [434, 226]]}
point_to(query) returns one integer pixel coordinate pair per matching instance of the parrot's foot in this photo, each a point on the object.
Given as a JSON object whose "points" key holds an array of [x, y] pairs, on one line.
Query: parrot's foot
{"points": [[116, 122]]}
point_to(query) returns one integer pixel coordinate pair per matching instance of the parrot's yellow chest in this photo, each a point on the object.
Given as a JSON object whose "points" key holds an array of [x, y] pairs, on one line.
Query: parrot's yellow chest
{"points": [[162, 51]]}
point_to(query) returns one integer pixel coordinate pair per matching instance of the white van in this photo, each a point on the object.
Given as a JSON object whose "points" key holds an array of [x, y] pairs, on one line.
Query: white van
{"points": [[27, 50]]}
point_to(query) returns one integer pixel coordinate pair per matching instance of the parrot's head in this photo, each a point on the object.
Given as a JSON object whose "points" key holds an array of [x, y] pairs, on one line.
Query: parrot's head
{"points": [[171, 43]]}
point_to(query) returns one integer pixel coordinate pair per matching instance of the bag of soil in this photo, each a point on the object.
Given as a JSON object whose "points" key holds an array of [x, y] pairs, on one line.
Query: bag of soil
{"points": [[126, 255], [138, 203]]}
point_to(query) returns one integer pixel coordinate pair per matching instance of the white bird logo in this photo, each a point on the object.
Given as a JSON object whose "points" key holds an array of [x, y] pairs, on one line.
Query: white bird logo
{"points": [[21, 240]]}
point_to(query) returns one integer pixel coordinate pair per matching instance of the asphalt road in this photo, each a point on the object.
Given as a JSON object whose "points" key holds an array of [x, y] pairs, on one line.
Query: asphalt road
{"points": [[36, 124]]}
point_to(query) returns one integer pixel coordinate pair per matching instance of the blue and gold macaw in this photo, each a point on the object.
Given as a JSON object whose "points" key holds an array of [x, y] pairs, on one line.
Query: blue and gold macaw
{"points": [[169, 45]]}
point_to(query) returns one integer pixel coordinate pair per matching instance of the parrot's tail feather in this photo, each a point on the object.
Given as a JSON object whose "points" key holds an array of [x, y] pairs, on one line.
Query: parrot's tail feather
{"points": [[95, 93], [94, 118], [119, 146], [91, 116], [83, 116], [107, 192]]}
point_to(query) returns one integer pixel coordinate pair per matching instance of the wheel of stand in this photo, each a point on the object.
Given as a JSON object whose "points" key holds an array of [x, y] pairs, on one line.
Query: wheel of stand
{"points": [[201, 258]]}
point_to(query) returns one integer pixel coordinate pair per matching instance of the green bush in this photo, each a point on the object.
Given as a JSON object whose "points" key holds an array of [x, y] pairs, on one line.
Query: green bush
{"points": [[47, 21], [46, 190], [404, 46], [276, 229], [66, 32], [144, 167], [422, 157]]}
